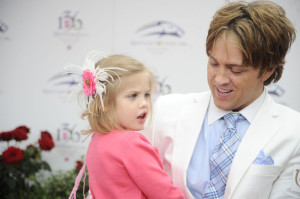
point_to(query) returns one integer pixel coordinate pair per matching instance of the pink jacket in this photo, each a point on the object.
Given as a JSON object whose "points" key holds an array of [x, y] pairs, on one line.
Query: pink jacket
{"points": [[124, 165]]}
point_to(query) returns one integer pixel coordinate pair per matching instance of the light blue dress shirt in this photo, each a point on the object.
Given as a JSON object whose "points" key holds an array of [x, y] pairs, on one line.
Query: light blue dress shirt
{"points": [[198, 173]]}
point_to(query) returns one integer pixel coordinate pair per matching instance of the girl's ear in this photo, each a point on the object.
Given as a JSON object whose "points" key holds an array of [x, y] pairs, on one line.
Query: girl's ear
{"points": [[105, 108], [100, 109]]}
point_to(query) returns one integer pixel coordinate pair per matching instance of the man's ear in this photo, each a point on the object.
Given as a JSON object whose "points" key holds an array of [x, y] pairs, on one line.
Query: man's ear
{"points": [[268, 72]]}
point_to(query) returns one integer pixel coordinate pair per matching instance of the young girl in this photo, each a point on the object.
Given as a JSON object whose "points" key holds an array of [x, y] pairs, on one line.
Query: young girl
{"points": [[121, 162]]}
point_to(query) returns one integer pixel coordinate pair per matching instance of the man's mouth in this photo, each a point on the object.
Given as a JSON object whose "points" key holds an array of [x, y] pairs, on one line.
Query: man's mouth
{"points": [[224, 91]]}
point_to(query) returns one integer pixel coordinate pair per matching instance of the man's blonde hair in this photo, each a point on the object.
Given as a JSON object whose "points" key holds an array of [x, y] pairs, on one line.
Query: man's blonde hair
{"points": [[261, 30]]}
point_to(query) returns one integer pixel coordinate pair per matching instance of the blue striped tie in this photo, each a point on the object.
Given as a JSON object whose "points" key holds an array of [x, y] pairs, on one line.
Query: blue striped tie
{"points": [[221, 158]]}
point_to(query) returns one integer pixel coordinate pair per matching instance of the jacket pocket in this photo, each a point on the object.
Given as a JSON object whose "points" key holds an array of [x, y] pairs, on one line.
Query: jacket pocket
{"points": [[257, 182], [264, 170]]}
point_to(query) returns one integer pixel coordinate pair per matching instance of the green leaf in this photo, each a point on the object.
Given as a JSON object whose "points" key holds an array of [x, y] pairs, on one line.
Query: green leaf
{"points": [[11, 183], [45, 166]]}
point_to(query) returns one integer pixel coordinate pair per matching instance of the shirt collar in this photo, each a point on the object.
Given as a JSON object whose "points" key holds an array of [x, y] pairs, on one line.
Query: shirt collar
{"points": [[214, 113]]}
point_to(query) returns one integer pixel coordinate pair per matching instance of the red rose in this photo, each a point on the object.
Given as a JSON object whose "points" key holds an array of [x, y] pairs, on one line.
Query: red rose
{"points": [[6, 136], [12, 155], [79, 165], [46, 143], [24, 128], [19, 134], [46, 134]]}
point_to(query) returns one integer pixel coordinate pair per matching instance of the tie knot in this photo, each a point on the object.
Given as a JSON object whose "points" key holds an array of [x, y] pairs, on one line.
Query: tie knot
{"points": [[230, 119]]}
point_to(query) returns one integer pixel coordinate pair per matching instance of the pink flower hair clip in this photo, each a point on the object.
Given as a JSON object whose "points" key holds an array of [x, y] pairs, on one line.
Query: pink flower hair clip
{"points": [[89, 84], [93, 79]]}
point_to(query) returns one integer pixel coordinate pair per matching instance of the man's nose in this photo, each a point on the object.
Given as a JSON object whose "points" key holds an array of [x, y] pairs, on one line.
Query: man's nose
{"points": [[222, 76]]}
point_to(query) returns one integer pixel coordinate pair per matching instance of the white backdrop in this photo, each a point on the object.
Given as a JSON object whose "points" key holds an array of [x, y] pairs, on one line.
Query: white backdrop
{"points": [[37, 38]]}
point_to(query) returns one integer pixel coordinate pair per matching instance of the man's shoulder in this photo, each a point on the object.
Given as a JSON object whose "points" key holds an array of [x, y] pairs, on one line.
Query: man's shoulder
{"points": [[283, 109], [289, 116], [284, 114]]}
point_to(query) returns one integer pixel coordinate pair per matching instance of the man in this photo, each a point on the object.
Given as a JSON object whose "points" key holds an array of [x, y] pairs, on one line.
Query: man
{"points": [[258, 156]]}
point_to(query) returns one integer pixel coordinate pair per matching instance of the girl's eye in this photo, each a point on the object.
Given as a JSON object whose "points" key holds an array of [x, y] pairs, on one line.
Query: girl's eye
{"points": [[147, 94], [133, 96]]}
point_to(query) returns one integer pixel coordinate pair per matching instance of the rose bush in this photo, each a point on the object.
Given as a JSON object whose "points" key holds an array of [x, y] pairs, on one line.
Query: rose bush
{"points": [[58, 185], [18, 166]]}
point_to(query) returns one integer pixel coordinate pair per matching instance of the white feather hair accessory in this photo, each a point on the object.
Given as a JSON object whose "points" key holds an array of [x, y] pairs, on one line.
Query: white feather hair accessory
{"points": [[93, 79]]}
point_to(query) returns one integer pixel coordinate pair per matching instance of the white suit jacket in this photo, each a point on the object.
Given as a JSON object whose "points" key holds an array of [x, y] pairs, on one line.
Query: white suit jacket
{"points": [[176, 125]]}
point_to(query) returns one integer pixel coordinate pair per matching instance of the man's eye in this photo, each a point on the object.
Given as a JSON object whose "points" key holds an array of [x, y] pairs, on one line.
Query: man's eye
{"points": [[213, 63], [237, 71]]}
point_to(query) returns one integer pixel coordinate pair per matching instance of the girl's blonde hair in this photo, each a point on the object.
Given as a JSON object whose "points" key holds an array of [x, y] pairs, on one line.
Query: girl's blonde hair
{"points": [[104, 121]]}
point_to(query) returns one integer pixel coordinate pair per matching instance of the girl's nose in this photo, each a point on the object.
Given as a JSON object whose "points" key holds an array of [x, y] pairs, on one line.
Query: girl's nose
{"points": [[144, 102]]}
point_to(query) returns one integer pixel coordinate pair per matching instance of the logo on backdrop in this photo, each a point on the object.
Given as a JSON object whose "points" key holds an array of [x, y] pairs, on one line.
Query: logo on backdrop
{"points": [[69, 28], [69, 141], [160, 29], [3, 31], [64, 83], [67, 134], [3, 27], [276, 92], [162, 87], [159, 34]]}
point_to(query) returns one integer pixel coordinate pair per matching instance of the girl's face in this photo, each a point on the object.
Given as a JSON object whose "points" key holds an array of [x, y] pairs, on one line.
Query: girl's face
{"points": [[133, 101]]}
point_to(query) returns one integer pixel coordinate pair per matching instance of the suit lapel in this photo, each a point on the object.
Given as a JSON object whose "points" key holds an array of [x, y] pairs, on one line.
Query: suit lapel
{"points": [[186, 134], [260, 131]]}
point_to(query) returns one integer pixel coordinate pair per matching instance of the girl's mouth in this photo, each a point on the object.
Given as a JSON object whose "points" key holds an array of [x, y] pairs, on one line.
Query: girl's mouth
{"points": [[142, 116]]}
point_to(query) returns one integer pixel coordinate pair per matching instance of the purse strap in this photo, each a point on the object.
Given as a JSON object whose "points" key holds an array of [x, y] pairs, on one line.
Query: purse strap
{"points": [[77, 182]]}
